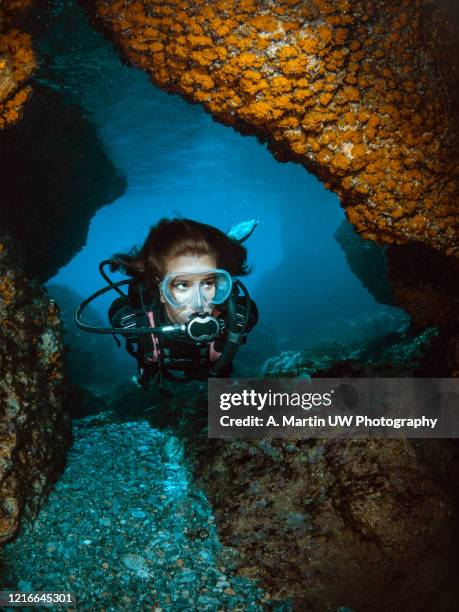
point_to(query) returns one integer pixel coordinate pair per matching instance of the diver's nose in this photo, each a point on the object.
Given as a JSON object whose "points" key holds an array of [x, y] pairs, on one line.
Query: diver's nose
{"points": [[197, 299]]}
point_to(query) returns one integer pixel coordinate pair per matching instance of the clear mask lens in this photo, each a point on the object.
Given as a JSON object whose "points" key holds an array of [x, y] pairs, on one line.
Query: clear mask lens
{"points": [[197, 289]]}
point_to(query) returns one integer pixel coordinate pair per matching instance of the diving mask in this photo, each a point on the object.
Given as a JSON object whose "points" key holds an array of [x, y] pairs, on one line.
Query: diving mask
{"points": [[196, 289]]}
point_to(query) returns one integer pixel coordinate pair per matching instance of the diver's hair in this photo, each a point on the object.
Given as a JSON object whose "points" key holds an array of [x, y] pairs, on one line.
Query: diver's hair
{"points": [[171, 238]]}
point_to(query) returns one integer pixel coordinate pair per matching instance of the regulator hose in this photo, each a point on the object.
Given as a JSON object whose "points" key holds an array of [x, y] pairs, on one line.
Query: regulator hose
{"points": [[233, 334], [117, 330]]}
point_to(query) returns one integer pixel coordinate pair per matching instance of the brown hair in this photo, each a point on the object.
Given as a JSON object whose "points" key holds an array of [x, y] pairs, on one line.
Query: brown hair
{"points": [[171, 238]]}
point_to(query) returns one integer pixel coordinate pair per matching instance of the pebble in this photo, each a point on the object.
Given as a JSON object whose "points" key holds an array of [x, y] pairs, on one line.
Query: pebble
{"points": [[23, 585], [138, 514], [157, 565], [135, 562]]}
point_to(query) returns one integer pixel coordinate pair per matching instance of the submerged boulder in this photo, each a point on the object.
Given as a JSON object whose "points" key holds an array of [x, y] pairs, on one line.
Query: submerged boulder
{"points": [[308, 515], [34, 425]]}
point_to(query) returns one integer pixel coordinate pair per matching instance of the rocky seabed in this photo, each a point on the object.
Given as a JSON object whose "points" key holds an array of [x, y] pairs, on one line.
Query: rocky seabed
{"points": [[125, 529]]}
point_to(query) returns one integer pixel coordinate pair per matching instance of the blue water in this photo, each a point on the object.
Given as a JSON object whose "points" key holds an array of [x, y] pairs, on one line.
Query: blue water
{"points": [[178, 160]]}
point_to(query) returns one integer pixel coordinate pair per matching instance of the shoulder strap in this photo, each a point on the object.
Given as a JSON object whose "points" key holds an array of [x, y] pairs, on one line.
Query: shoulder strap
{"points": [[140, 297]]}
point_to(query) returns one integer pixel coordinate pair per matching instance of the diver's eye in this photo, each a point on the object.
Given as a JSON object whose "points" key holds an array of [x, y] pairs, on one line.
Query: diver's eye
{"points": [[208, 283], [181, 285]]}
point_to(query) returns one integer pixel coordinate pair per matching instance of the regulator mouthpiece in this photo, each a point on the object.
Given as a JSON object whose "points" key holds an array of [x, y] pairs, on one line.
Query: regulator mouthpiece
{"points": [[203, 328]]}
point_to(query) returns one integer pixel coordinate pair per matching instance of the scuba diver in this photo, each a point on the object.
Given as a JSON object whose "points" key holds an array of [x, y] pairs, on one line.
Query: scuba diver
{"points": [[185, 314]]}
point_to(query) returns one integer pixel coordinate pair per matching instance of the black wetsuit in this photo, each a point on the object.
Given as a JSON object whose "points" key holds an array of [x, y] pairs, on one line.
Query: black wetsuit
{"points": [[180, 358]]}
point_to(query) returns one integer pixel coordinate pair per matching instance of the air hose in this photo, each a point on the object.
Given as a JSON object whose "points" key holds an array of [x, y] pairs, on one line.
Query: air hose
{"points": [[234, 335], [117, 330]]}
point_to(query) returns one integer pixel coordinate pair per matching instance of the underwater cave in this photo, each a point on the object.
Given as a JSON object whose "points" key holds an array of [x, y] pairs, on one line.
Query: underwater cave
{"points": [[321, 121]]}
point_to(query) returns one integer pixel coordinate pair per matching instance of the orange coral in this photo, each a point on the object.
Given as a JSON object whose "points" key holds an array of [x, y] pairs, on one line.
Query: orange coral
{"points": [[348, 102], [17, 63]]}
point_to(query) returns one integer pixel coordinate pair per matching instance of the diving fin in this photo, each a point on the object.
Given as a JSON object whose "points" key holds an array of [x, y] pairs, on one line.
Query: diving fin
{"points": [[242, 230]]}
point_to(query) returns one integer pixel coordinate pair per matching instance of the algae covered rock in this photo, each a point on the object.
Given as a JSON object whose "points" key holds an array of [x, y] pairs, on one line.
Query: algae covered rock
{"points": [[17, 61], [34, 425], [348, 89]]}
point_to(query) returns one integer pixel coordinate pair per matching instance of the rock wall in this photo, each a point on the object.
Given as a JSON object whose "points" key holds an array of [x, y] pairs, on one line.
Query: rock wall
{"points": [[367, 261], [426, 284], [55, 175], [352, 90], [17, 61], [34, 427], [333, 523], [441, 31]]}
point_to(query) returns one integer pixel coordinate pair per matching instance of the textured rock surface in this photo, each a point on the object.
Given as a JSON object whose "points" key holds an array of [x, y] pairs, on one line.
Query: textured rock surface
{"points": [[405, 352], [55, 174], [425, 283], [17, 61], [349, 89], [441, 18], [34, 428], [367, 261], [309, 516]]}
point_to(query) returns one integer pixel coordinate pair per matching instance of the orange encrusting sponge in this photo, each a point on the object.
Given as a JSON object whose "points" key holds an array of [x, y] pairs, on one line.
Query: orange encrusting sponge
{"points": [[349, 89]]}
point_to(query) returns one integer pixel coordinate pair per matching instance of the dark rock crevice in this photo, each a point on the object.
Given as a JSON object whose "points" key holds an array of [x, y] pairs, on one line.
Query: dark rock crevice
{"points": [[58, 175]]}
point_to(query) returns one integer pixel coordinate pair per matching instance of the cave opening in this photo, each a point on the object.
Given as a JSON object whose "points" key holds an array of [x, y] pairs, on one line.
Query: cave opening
{"points": [[176, 160]]}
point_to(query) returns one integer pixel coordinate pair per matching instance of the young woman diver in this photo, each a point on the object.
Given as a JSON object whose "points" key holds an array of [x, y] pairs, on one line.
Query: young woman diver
{"points": [[185, 314]]}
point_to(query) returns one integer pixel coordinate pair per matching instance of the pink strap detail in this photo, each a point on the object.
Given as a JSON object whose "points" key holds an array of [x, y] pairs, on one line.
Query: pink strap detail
{"points": [[156, 351], [213, 354]]}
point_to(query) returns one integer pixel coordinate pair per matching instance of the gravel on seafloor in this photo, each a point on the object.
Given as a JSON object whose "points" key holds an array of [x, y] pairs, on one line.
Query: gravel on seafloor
{"points": [[125, 528]]}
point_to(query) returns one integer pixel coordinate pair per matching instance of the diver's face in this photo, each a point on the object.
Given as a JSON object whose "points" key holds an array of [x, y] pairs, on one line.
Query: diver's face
{"points": [[192, 286]]}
